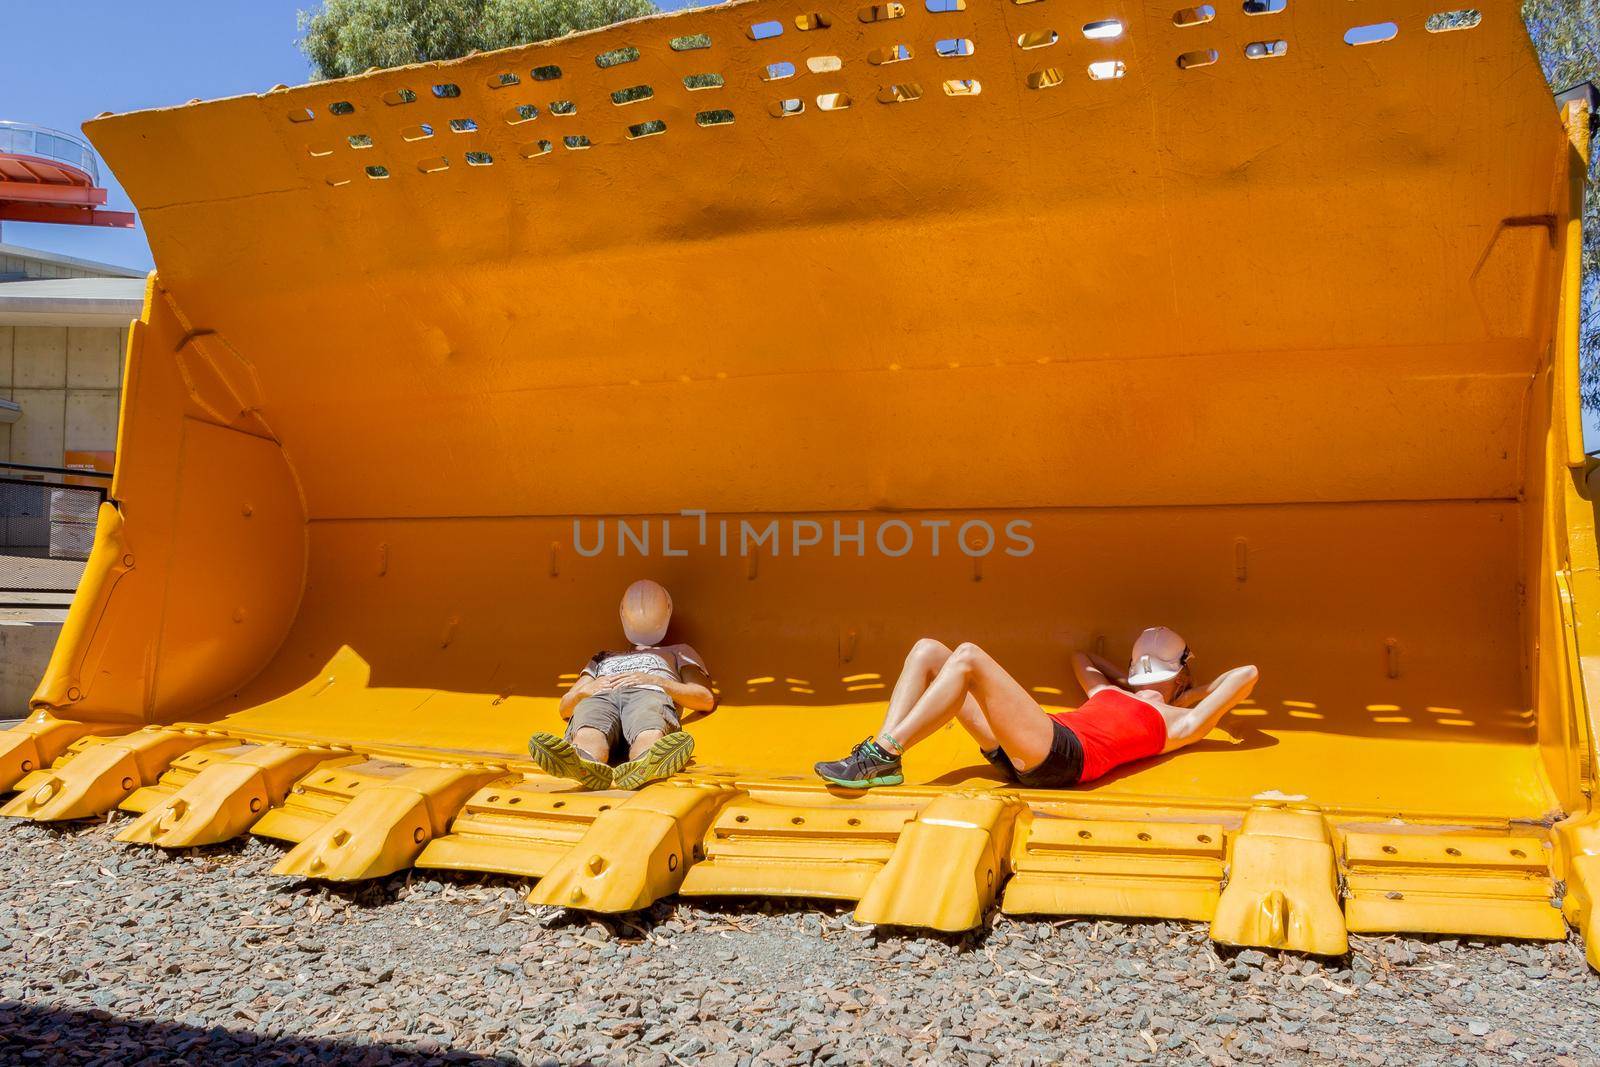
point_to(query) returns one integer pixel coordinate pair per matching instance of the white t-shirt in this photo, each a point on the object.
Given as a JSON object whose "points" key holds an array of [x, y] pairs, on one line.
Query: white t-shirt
{"points": [[665, 660]]}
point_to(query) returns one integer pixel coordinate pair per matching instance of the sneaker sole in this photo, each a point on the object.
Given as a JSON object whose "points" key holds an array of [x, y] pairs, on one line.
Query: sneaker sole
{"points": [[865, 783], [665, 758], [560, 759]]}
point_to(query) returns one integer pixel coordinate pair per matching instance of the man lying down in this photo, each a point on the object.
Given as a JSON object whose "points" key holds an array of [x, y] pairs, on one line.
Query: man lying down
{"points": [[625, 704], [1151, 709]]}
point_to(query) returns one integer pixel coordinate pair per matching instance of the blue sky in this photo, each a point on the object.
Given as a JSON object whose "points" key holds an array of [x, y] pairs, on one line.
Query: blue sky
{"points": [[68, 61]]}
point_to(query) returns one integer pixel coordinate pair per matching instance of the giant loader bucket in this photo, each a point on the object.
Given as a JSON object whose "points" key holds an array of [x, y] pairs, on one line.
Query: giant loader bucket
{"points": [[1027, 325]]}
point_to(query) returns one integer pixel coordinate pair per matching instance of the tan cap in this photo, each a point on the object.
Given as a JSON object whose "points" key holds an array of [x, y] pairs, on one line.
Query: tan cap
{"points": [[1158, 656], [646, 610]]}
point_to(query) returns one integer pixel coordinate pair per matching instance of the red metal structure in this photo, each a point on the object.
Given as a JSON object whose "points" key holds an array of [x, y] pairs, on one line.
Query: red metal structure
{"points": [[49, 176]]}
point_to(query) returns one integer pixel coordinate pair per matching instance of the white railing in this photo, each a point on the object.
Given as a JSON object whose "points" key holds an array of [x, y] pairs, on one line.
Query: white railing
{"points": [[24, 138]]}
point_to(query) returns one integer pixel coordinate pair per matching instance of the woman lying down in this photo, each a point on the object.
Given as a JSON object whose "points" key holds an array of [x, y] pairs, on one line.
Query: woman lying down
{"points": [[1152, 709]]}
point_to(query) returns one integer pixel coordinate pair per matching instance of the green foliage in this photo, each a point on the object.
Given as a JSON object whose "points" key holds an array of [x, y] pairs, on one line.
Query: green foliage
{"points": [[346, 37], [1566, 34]]}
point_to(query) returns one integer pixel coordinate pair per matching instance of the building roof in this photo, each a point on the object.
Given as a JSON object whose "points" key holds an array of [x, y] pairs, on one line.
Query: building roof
{"points": [[71, 302], [108, 270]]}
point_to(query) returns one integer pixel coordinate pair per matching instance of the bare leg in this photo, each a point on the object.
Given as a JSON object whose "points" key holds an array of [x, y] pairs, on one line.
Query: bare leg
{"points": [[972, 718], [642, 743], [592, 743], [1013, 719], [922, 663]]}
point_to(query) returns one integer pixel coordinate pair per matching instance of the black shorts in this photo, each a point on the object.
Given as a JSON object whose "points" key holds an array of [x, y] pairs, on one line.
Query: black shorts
{"points": [[1063, 767]]}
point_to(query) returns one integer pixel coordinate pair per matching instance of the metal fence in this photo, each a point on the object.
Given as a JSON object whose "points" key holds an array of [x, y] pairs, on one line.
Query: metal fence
{"points": [[47, 520]]}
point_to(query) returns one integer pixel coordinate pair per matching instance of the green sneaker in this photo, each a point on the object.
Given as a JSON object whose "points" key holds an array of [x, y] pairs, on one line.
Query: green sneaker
{"points": [[559, 758], [665, 758]]}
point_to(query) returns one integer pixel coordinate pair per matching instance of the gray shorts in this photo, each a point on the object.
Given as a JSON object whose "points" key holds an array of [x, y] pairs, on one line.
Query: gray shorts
{"points": [[623, 714]]}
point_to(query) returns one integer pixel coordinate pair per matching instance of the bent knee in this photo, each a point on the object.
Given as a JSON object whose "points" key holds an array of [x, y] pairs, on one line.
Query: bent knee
{"points": [[928, 652], [969, 656]]}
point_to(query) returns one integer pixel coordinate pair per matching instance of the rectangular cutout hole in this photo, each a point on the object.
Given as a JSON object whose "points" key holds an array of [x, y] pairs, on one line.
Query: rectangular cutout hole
{"points": [[962, 87], [1103, 30], [1107, 70], [632, 94], [899, 94], [434, 165], [1266, 49], [824, 64], [503, 79], [1461, 19], [702, 81], [953, 47], [716, 117], [520, 114], [575, 141], [940, 7], [1037, 39], [690, 42], [563, 107], [882, 12], [419, 132], [1194, 16], [832, 101], [761, 31], [396, 97], [341, 107], [463, 126], [447, 90], [616, 57], [814, 20], [479, 159], [648, 128], [889, 53], [783, 109], [1264, 7], [534, 149], [1202, 58], [1374, 33], [776, 72], [303, 114], [546, 74], [360, 140], [1046, 78]]}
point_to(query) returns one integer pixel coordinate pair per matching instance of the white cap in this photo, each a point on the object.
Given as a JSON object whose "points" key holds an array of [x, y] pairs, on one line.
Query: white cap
{"points": [[1158, 656]]}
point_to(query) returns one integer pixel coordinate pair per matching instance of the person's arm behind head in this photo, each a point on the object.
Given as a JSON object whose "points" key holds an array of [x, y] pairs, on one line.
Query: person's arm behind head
{"points": [[1094, 673], [1224, 692]]}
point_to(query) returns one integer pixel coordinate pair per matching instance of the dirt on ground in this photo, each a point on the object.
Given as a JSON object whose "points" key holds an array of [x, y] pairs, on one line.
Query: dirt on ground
{"points": [[116, 954]]}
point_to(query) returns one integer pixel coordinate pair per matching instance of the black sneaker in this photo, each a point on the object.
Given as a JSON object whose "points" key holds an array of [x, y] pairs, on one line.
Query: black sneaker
{"points": [[865, 767]]}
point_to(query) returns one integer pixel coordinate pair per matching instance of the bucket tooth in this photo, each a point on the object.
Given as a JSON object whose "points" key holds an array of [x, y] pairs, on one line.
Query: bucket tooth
{"points": [[1493, 884], [100, 774], [636, 853], [221, 799], [39, 741], [384, 827], [1283, 889], [804, 842], [1580, 857], [1143, 868], [947, 866], [519, 824]]}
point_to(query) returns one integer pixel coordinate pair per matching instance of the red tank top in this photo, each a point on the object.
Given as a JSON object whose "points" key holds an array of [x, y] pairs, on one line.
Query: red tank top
{"points": [[1114, 728]]}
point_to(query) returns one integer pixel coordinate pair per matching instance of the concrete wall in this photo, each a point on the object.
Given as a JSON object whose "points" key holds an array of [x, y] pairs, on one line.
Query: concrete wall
{"points": [[31, 267], [25, 649], [67, 380]]}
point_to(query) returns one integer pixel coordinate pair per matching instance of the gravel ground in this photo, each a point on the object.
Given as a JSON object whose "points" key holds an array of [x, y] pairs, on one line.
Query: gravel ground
{"points": [[121, 955]]}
